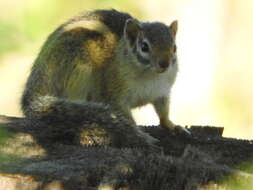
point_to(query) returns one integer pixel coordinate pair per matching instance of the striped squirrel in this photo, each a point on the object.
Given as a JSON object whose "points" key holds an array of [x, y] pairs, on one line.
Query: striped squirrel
{"points": [[108, 57]]}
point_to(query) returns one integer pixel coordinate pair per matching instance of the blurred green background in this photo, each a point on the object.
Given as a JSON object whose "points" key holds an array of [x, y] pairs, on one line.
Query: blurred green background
{"points": [[27, 21], [214, 49]]}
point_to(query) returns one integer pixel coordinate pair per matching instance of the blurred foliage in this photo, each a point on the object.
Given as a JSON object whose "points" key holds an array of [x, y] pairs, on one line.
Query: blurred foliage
{"points": [[5, 158], [8, 37], [238, 183], [4, 135]]}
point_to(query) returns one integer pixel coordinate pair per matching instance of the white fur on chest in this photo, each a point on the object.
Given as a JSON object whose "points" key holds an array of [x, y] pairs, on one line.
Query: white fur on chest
{"points": [[146, 91]]}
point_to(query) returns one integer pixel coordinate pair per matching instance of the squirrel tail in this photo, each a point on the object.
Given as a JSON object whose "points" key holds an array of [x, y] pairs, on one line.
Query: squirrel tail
{"points": [[59, 109], [64, 111]]}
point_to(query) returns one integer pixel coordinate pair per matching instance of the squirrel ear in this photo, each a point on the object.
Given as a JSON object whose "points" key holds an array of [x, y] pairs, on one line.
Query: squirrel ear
{"points": [[173, 27], [131, 30]]}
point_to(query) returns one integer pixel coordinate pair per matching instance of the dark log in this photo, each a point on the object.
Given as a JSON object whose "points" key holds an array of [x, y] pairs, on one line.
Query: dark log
{"points": [[106, 153]]}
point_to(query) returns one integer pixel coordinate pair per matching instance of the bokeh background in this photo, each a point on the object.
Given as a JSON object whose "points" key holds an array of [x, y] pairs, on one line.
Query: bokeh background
{"points": [[215, 49]]}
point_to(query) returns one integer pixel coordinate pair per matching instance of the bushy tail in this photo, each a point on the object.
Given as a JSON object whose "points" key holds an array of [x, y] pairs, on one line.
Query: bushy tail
{"points": [[60, 109], [52, 110]]}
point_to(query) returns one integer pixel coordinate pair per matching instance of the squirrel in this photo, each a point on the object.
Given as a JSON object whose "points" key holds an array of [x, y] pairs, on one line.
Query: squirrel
{"points": [[108, 57]]}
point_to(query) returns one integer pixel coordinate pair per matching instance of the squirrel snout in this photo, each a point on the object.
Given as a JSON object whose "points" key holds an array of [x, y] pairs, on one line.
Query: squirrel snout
{"points": [[163, 64]]}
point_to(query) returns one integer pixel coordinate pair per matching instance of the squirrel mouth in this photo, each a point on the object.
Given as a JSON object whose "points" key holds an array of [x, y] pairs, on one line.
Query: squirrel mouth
{"points": [[160, 70]]}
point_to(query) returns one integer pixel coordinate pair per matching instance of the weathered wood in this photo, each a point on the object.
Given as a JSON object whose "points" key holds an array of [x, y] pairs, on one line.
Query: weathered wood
{"points": [[105, 153]]}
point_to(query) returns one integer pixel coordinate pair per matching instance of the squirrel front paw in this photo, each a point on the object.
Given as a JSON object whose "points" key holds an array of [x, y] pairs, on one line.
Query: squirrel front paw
{"points": [[175, 129]]}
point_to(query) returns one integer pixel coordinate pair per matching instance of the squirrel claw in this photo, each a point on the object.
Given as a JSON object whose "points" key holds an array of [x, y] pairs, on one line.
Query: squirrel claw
{"points": [[181, 130], [176, 129]]}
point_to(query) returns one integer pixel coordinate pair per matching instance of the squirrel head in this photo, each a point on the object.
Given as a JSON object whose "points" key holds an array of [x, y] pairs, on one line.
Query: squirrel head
{"points": [[153, 44]]}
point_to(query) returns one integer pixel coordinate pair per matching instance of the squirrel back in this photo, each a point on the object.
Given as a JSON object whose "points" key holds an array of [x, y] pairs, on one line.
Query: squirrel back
{"points": [[63, 66]]}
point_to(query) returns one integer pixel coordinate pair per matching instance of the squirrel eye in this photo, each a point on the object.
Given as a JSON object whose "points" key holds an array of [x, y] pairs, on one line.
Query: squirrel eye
{"points": [[144, 47]]}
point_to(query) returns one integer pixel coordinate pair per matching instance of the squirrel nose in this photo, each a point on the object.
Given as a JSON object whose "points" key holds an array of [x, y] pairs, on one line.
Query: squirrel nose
{"points": [[164, 64]]}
